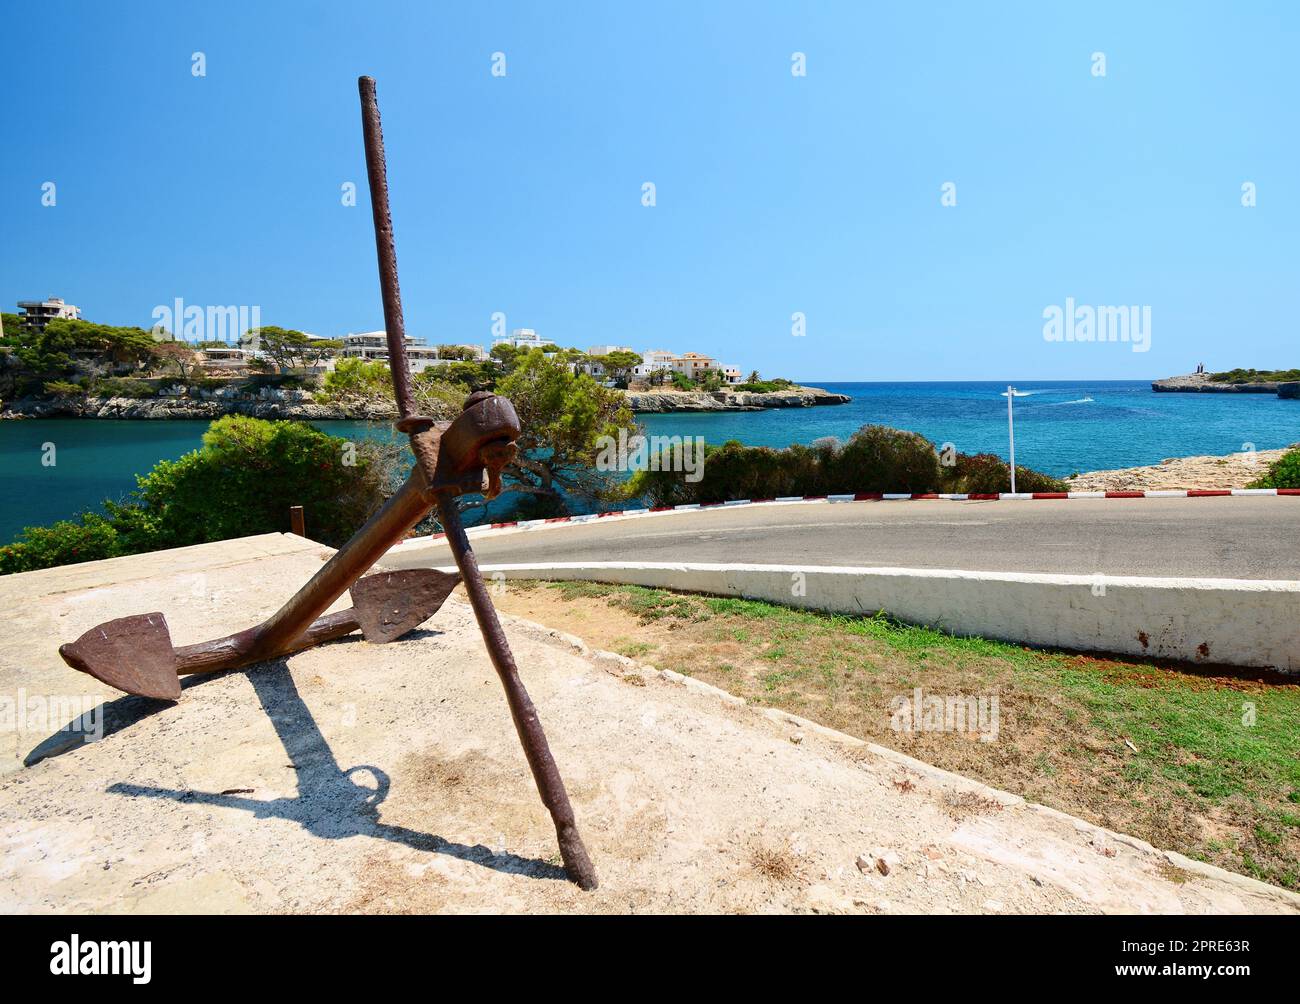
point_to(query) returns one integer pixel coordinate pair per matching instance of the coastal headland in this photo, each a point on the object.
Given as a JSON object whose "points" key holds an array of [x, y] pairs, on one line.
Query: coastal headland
{"points": [[731, 400], [1206, 383]]}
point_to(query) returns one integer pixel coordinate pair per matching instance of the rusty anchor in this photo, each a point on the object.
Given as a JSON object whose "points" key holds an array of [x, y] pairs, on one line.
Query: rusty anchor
{"points": [[467, 455]]}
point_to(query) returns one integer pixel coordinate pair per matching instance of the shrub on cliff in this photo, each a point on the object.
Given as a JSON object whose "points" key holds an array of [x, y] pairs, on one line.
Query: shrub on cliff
{"points": [[356, 382], [1255, 376], [122, 387], [64, 388], [763, 386], [1283, 473]]}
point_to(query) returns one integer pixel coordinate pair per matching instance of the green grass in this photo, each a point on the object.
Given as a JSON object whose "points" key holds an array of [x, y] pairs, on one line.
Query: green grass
{"points": [[1196, 778]]}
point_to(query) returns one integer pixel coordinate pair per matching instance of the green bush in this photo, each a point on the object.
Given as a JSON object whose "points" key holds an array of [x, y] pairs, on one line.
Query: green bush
{"points": [[67, 542], [355, 378], [735, 471], [1284, 472], [986, 473], [476, 376], [764, 386], [880, 459], [876, 458], [242, 481], [1255, 376]]}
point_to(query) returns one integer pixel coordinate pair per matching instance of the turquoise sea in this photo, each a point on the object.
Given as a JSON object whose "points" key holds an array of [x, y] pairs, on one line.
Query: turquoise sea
{"points": [[1061, 427]]}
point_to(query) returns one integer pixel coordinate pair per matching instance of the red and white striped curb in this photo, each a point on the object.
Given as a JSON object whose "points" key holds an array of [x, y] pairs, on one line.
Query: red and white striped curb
{"points": [[534, 524]]}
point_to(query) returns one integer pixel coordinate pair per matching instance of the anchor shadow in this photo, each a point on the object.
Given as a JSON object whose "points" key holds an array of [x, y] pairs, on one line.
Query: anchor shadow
{"points": [[121, 713], [330, 804]]}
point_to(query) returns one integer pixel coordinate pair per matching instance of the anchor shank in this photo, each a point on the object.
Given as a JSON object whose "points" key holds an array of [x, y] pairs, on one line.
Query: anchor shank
{"points": [[234, 650], [407, 506]]}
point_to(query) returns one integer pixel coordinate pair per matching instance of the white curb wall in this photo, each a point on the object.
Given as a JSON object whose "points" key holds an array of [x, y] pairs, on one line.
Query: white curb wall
{"points": [[1240, 622]]}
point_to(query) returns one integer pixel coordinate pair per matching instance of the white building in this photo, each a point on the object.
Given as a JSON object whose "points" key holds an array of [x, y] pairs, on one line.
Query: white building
{"points": [[695, 365], [372, 346], [604, 350], [689, 364], [38, 313], [521, 338], [229, 358], [653, 360]]}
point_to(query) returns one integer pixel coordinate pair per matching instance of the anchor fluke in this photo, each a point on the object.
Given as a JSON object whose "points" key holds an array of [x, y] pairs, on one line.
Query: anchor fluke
{"points": [[389, 604], [133, 654]]}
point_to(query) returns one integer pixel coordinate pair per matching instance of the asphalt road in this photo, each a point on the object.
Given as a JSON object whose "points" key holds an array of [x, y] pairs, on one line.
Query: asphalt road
{"points": [[1236, 538]]}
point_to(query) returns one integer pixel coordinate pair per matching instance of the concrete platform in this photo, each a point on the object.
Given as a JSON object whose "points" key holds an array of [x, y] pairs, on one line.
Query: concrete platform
{"points": [[356, 777]]}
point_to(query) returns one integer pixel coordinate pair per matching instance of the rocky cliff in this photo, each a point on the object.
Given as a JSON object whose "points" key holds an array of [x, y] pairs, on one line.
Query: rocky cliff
{"points": [[267, 403], [731, 400], [1201, 383], [272, 402]]}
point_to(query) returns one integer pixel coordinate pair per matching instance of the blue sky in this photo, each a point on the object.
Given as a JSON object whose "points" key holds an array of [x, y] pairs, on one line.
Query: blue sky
{"points": [[522, 194]]}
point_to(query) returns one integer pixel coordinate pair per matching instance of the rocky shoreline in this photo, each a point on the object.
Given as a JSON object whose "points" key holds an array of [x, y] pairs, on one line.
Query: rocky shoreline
{"points": [[660, 401], [1235, 470], [272, 402], [1200, 383], [266, 403]]}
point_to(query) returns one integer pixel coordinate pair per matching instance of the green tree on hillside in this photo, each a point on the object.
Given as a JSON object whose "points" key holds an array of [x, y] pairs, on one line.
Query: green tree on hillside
{"points": [[506, 354], [179, 355], [465, 353], [619, 365], [562, 414], [711, 380], [288, 347], [65, 345], [14, 327]]}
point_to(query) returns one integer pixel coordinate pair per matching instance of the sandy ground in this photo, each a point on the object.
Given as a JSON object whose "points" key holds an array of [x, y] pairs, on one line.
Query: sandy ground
{"points": [[355, 777], [1236, 470]]}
